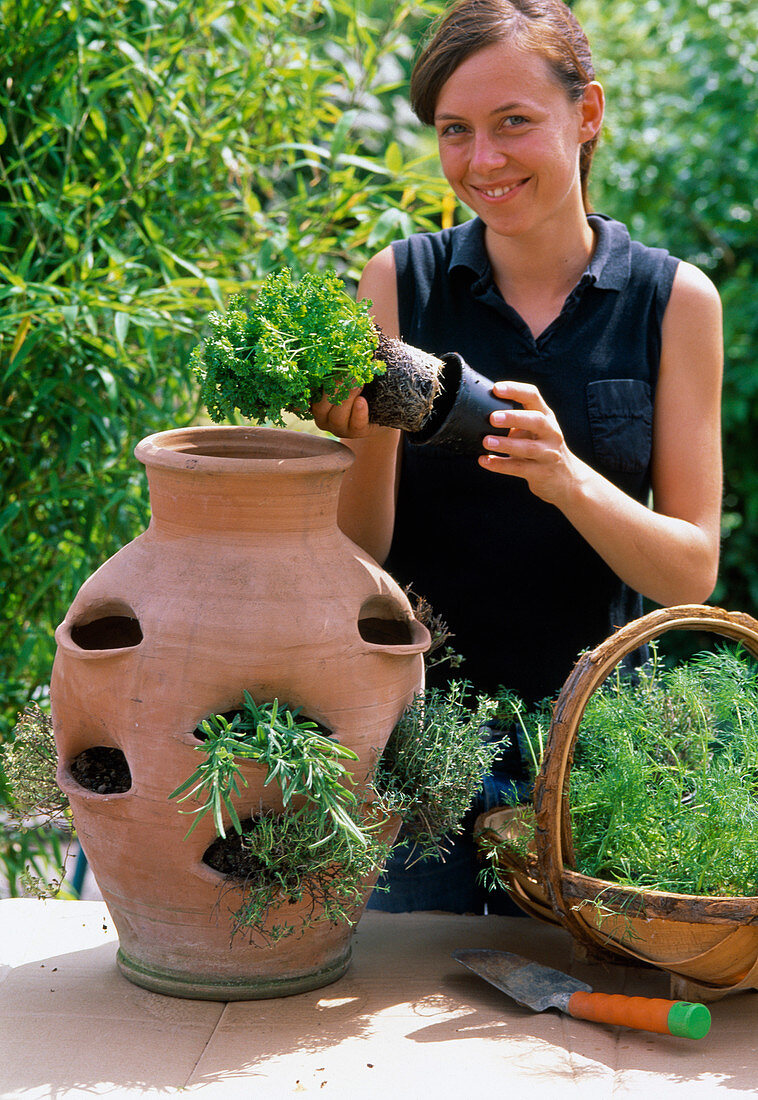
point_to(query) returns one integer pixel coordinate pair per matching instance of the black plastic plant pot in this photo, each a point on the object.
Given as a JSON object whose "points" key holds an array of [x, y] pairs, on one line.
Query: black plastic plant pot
{"points": [[460, 416]]}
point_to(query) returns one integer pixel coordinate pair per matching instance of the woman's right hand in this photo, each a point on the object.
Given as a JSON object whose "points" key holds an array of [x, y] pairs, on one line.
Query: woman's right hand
{"points": [[348, 420], [366, 512]]}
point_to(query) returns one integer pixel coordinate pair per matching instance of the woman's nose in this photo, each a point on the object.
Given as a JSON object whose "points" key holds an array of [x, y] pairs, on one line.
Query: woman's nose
{"points": [[487, 153]]}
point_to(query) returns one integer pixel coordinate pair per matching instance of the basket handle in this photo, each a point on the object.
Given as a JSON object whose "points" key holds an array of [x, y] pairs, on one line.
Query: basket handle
{"points": [[553, 837]]}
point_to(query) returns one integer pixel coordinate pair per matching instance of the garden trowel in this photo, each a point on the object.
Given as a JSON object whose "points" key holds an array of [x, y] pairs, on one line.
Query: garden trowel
{"points": [[539, 987]]}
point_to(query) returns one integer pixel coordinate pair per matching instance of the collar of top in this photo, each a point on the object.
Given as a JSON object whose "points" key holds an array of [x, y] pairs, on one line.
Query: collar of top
{"points": [[609, 264]]}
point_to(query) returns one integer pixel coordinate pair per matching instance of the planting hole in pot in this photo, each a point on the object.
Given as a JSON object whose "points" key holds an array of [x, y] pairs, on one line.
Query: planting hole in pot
{"points": [[110, 626], [300, 717], [382, 622], [200, 733], [102, 769], [228, 855]]}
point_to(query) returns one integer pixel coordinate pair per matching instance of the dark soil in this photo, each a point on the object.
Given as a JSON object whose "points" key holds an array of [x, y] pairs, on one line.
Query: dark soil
{"points": [[403, 396], [102, 770], [228, 856], [385, 631]]}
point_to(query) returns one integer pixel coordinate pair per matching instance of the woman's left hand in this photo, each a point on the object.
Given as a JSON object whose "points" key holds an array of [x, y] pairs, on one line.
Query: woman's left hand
{"points": [[533, 447]]}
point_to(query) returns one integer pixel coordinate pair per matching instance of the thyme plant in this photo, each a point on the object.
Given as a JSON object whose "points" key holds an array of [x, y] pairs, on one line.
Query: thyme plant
{"points": [[38, 807], [440, 650], [277, 352], [433, 764], [296, 858], [30, 761]]}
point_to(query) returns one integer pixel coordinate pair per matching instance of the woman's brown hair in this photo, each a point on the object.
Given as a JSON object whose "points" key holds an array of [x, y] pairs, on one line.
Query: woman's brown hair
{"points": [[547, 27]]}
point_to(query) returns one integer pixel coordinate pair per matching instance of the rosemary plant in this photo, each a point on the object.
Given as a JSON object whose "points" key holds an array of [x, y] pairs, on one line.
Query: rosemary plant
{"points": [[304, 762]]}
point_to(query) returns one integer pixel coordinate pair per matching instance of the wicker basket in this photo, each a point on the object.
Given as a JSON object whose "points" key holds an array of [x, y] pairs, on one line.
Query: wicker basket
{"points": [[709, 945]]}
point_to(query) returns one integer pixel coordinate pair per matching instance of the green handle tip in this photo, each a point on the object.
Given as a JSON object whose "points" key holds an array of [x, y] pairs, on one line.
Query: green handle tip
{"points": [[690, 1021]]}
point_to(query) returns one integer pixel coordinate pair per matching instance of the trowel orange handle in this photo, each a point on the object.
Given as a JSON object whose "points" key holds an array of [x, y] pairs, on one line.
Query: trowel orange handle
{"points": [[691, 1021]]}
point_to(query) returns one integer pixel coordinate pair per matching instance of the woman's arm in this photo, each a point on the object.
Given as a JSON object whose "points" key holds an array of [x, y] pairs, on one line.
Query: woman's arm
{"points": [[669, 554], [369, 488]]}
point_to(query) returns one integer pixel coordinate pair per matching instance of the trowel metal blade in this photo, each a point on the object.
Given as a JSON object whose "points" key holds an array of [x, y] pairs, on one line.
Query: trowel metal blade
{"points": [[529, 984]]}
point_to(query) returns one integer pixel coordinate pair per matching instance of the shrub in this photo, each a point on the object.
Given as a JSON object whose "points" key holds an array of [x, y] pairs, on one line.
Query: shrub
{"points": [[678, 163]]}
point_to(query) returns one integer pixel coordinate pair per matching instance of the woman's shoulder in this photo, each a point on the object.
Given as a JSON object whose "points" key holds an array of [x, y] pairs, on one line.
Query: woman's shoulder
{"points": [[416, 261], [643, 273], [620, 251], [694, 301], [681, 283], [692, 284]]}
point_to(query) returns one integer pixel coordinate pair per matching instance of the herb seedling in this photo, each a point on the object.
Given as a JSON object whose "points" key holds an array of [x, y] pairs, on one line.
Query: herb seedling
{"points": [[440, 651], [294, 857], [277, 352]]}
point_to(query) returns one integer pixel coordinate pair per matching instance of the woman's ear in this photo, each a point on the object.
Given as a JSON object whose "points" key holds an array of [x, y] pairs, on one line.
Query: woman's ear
{"points": [[592, 109]]}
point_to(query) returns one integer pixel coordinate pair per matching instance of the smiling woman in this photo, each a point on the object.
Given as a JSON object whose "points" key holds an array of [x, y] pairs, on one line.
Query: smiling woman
{"points": [[508, 138], [540, 27], [611, 351]]}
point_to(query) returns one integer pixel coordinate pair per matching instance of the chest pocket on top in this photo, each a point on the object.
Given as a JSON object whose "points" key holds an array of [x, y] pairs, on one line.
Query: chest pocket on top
{"points": [[621, 421]]}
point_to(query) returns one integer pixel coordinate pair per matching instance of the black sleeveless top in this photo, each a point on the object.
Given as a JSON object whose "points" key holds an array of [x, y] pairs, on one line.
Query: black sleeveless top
{"points": [[521, 590]]}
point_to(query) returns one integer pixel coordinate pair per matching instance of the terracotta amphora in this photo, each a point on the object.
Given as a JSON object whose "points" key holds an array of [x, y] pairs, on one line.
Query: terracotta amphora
{"points": [[243, 580]]}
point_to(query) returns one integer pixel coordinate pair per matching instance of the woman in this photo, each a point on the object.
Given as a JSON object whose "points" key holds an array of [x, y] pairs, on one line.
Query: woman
{"points": [[548, 541]]}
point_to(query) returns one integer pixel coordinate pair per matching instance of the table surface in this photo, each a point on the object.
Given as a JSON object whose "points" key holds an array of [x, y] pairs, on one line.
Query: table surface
{"points": [[405, 1022]]}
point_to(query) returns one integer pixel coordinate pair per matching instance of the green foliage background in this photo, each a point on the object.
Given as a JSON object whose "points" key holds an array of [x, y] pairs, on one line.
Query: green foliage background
{"points": [[154, 157], [157, 155]]}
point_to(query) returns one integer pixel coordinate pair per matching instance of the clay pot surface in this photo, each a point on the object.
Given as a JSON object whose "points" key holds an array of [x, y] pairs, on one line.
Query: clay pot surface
{"points": [[243, 580]]}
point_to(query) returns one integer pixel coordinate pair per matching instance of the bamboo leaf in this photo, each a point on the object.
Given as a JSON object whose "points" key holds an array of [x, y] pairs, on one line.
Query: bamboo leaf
{"points": [[13, 279], [121, 327], [19, 338], [393, 158]]}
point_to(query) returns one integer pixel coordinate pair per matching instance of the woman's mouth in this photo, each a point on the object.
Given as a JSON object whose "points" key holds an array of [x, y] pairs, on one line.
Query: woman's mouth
{"points": [[500, 191]]}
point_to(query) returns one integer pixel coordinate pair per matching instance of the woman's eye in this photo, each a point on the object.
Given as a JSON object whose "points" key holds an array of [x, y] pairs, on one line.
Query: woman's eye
{"points": [[452, 129], [514, 120]]}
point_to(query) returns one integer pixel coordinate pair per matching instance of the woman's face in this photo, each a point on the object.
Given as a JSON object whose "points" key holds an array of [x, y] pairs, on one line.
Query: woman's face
{"points": [[509, 138]]}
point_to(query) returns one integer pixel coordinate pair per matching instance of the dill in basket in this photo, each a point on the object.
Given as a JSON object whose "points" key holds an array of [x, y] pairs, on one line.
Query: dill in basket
{"points": [[663, 791]]}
